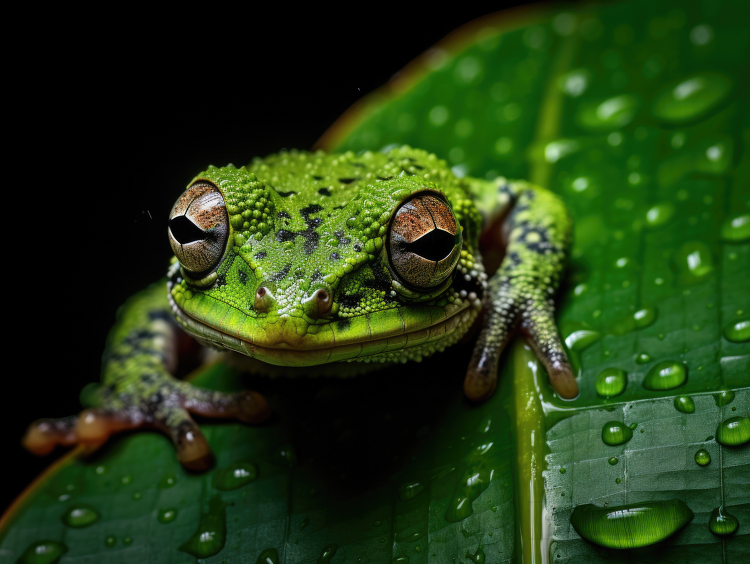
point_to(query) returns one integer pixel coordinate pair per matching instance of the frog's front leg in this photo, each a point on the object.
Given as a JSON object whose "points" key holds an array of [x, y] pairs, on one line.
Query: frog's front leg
{"points": [[535, 228], [138, 390]]}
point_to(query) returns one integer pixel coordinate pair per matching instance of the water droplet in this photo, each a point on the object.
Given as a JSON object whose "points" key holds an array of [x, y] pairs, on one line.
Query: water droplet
{"points": [[43, 552], [612, 113], [736, 228], [125, 480], [665, 375], [268, 556], [611, 382], [734, 431], [701, 35], [691, 97], [285, 457], [684, 404], [659, 214], [305, 522], [410, 490], [630, 526], [80, 515], [616, 433], [723, 398], [480, 467], [582, 338], [208, 539], [110, 541], [127, 540], [738, 332], [644, 317], [327, 553], [722, 523], [137, 496], [642, 358], [377, 523], [702, 457], [478, 557], [575, 82], [613, 460], [693, 262], [167, 481], [165, 516], [101, 469], [618, 481], [235, 476], [400, 560], [562, 470], [633, 426]]}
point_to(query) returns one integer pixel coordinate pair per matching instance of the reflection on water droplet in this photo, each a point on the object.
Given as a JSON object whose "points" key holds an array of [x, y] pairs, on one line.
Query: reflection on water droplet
{"points": [[80, 515], [630, 526], [208, 538], [410, 490], [736, 228], [582, 338], [556, 150], [165, 516], [685, 404], [235, 476], [285, 457], [734, 431], [613, 460], [642, 358], [691, 97], [665, 375], [478, 557], [644, 317], [400, 560], [702, 457], [738, 332], [693, 262], [168, 481], [616, 433], [268, 556], [576, 82], [659, 214], [723, 398], [110, 541], [612, 113], [722, 523], [327, 553], [43, 552], [611, 382]]}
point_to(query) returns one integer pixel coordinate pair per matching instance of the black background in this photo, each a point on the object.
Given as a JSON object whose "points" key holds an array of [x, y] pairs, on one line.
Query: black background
{"points": [[108, 121]]}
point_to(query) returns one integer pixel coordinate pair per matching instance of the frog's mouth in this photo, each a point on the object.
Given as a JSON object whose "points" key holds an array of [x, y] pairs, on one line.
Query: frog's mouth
{"points": [[290, 341]]}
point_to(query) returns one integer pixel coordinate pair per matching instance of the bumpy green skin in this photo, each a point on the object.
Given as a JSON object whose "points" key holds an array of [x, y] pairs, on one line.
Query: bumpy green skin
{"points": [[302, 222]]}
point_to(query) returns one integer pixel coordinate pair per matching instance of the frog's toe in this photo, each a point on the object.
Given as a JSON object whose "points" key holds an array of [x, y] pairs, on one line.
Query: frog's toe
{"points": [[247, 406], [43, 435], [538, 326]]}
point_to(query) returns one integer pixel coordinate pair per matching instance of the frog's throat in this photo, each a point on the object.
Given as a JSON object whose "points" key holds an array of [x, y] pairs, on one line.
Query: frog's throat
{"points": [[293, 342]]}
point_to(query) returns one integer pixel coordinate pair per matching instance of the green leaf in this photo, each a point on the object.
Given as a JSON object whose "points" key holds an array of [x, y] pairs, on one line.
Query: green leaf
{"points": [[636, 114]]}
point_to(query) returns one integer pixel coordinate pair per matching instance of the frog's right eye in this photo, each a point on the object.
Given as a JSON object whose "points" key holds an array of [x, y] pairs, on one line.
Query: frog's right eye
{"points": [[198, 228]]}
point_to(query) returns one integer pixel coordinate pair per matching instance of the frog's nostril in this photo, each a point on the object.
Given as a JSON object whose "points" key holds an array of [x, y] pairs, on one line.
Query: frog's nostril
{"points": [[322, 295], [263, 299], [261, 292]]}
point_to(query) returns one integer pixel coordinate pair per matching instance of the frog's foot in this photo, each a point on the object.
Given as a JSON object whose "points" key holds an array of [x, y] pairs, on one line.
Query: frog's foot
{"points": [[167, 409], [506, 308]]}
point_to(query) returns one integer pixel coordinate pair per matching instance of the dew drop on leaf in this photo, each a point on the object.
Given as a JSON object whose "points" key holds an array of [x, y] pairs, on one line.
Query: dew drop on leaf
{"points": [[734, 431], [79, 516], [611, 382], [722, 523], [738, 332], [616, 433], [684, 404], [630, 526], [43, 552], [691, 97], [665, 375], [702, 457]]}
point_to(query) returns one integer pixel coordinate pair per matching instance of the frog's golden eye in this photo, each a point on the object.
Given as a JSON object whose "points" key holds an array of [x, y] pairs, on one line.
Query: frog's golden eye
{"points": [[424, 241], [198, 228]]}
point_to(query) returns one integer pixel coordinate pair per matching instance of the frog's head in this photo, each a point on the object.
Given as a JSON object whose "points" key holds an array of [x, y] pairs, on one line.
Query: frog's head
{"points": [[309, 258]]}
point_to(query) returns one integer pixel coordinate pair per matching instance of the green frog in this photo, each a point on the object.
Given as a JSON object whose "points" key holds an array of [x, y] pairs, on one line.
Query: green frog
{"points": [[329, 264]]}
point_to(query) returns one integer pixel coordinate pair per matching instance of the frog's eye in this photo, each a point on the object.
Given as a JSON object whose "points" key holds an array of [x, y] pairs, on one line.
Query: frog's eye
{"points": [[424, 241], [198, 228]]}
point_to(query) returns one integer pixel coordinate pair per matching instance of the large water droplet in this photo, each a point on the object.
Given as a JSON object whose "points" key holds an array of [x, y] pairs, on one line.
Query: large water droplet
{"points": [[722, 523], [43, 552], [482, 462], [736, 228], [612, 113], [738, 332], [165, 516], [582, 338], [79, 516], [685, 404], [734, 431], [235, 476], [691, 97], [327, 553], [644, 317], [665, 375], [693, 262], [659, 214], [702, 457], [268, 556], [616, 433], [611, 382], [632, 525], [208, 539], [723, 398]]}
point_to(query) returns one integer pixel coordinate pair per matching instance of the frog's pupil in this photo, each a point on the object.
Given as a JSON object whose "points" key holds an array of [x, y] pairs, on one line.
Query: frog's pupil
{"points": [[435, 245], [185, 231]]}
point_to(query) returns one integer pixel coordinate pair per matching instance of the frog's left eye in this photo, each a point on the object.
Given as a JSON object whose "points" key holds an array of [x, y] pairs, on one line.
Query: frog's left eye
{"points": [[198, 228], [424, 241]]}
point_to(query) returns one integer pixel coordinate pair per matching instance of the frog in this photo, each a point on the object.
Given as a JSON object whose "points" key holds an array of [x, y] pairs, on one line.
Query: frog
{"points": [[321, 264]]}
